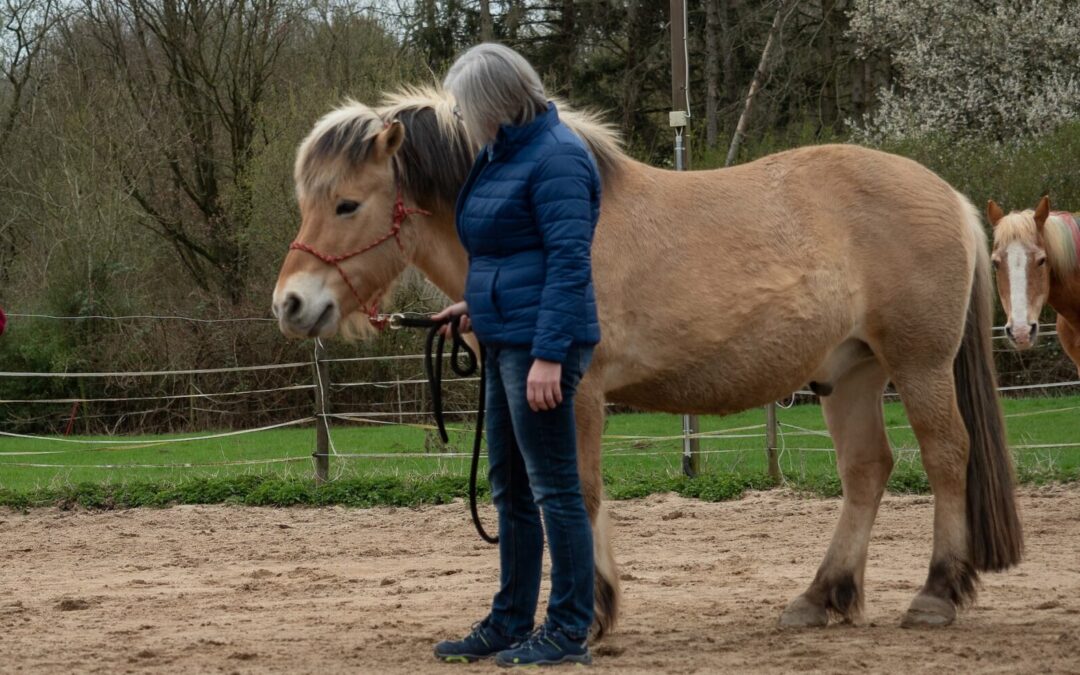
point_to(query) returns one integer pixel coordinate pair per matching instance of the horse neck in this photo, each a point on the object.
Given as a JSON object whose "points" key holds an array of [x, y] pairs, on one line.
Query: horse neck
{"points": [[440, 255], [1064, 297]]}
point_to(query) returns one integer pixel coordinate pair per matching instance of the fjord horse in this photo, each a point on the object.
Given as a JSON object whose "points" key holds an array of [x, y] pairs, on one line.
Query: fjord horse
{"points": [[1036, 261], [717, 291]]}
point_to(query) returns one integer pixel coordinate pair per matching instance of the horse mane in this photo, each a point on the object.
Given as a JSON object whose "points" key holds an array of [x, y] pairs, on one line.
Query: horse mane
{"points": [[437, 153], [1059, 236], [602, 139]]}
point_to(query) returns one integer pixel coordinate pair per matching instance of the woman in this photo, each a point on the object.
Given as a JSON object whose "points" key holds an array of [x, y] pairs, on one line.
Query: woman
{"points": [[526, 216]]}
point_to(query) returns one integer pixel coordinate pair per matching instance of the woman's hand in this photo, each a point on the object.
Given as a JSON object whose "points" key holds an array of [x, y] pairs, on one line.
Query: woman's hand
{"points": [[544, 389], [458, 309]]}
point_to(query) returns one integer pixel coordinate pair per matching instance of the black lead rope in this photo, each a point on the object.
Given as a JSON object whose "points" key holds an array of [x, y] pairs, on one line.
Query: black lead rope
{"points": [[433, 358]]}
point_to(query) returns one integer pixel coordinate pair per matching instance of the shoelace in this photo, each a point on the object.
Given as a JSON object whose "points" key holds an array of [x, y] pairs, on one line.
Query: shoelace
{"points": [[538, 636], [479, 631]]}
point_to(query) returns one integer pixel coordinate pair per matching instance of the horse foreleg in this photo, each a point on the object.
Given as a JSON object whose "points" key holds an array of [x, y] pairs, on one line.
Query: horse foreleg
{"points": [[589, 409], [864, 460]]}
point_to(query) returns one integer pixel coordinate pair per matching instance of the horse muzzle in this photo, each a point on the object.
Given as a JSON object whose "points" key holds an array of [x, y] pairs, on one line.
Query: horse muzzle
{"points": [[1023, 337], [306, 308]]}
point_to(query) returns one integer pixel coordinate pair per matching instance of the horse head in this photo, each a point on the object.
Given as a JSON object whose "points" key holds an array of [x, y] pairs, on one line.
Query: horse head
{"points": [[1020, 259], [376, 189]]}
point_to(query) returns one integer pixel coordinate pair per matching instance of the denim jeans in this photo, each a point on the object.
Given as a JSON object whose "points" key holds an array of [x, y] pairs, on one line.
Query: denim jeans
{"points": [[533, 470]]}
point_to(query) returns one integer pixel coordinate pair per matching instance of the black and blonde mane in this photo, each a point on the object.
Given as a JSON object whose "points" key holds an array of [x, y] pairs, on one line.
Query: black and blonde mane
{"points": [[437, 153]]}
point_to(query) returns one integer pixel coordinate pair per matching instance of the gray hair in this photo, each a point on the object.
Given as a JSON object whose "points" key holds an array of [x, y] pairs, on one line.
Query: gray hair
{"points": [[494, 85]]}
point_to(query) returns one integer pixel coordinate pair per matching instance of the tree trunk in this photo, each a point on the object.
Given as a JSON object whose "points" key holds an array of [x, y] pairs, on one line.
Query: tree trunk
{"points": [[755, 85], [568, 48], [712, 71], [832, 28], [727, 50], [487, 26]]}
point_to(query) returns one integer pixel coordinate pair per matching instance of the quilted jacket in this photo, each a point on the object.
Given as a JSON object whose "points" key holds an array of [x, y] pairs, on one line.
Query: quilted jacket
{"points": [[526, 217]]}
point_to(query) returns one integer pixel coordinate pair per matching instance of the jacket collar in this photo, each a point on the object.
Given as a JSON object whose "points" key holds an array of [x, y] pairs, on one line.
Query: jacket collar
{"points": [[512, 136]]}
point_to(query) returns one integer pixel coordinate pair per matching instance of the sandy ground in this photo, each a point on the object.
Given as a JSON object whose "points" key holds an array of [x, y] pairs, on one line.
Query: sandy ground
{"points": [[231, 589]]}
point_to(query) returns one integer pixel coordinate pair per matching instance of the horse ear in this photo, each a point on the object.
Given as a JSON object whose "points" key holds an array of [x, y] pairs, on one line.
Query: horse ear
{"points": [[389, 140], [1042, 211], [993, 213]]}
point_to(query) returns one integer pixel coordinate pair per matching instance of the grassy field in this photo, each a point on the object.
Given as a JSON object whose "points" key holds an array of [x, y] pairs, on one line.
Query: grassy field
{"points": [[273, 467]]}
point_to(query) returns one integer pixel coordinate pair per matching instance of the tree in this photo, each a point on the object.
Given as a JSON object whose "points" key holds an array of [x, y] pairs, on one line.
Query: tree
{"points": [[24, 25], [196, 73], [991, 70]]}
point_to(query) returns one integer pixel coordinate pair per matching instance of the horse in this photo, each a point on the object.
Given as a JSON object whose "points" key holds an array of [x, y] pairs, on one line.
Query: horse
{"points": [[717, 291], [1036, 259]]}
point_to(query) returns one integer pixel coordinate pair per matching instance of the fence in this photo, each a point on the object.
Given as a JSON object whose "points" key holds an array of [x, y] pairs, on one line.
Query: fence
{"points": [[329, 399]]}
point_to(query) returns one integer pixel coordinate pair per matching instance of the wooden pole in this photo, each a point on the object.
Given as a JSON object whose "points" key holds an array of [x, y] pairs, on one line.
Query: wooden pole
{"points": [[691, 461], [680, 112], [771, 451], [679, 120], [322, 422]]}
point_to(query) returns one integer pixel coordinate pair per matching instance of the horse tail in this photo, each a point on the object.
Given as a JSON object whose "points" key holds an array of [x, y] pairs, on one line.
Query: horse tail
{"points": [[607, 595], [995, 538]]}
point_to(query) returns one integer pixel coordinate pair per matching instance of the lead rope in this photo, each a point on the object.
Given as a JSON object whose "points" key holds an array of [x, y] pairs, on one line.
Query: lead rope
{"points": [[435, 346]]}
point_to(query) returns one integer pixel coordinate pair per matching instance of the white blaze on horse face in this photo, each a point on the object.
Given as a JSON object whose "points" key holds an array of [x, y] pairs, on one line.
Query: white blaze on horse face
{"points": [[1016, 256], [305, 306]]}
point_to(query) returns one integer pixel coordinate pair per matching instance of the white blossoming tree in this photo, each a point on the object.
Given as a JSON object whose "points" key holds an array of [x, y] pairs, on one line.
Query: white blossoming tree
{"points": [[985, 69]]}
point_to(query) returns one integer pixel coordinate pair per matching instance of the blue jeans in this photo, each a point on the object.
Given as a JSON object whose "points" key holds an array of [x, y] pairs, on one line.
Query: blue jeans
{"points": [[533, 469]]}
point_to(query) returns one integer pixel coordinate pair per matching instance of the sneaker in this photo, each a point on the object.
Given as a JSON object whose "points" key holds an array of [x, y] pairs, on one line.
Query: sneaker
{"points": [[482, 642], [547, 646]]}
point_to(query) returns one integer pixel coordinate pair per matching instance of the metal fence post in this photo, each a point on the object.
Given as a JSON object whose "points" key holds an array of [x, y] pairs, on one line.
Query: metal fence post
{"points": [[770, 442], [691, 460], [322, 422], [679, 121]]}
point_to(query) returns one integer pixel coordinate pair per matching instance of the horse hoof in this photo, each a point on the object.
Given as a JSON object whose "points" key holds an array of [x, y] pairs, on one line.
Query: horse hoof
{"points": [[928, 611], [801, 613]]}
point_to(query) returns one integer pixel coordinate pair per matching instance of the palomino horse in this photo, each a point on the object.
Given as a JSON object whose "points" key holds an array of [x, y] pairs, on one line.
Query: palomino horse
{"points": [[1036, 256], [717, 291]]}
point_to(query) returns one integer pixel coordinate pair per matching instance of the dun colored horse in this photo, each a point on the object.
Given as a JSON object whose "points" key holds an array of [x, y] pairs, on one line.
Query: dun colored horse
{"points": [[718, 291], [1036, 259]]}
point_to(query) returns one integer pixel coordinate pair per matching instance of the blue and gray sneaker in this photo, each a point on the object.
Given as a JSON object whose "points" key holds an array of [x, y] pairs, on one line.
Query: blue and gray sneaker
{"points": [[482, 642], [547, 646]]}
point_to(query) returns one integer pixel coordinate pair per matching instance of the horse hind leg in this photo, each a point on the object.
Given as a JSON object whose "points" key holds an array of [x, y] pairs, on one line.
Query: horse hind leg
{"points": [[854, 415], [589, 409], [930, 400]]}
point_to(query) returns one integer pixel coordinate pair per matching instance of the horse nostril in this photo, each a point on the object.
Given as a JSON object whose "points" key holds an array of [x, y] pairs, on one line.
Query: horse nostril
{"points": [[292, 306], [1008, 331], [1034, 329]]}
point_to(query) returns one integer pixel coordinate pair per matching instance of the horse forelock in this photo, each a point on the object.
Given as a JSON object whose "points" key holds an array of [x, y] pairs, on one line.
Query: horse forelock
{"points": [[340, 139], [1061, 238]]}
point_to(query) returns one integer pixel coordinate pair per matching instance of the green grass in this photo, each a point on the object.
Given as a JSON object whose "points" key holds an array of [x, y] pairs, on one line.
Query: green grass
{"points": [[232, 469]]}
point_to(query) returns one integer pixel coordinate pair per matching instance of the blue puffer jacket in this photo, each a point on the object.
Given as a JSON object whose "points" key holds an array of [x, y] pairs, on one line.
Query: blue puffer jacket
{"points": [[526, 216]]}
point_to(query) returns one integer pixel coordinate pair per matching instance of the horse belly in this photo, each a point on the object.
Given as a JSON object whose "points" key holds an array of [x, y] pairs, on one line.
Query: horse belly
{"points": [[727, 376]]}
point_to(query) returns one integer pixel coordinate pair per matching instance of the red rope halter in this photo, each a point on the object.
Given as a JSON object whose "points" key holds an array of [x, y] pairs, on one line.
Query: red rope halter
{"points": [[398, 215]]}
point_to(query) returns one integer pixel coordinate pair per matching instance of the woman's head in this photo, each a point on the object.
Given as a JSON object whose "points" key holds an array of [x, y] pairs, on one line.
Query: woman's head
{"points": [[494, 85]]}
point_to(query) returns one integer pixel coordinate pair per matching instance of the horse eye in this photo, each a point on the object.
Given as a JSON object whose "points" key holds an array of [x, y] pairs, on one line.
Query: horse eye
{"points": [[1040, 262], [994, 264], [347, 208]]}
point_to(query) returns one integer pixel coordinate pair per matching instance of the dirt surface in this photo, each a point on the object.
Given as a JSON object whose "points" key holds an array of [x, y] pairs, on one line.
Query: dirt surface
{"points": [[233, 589]]}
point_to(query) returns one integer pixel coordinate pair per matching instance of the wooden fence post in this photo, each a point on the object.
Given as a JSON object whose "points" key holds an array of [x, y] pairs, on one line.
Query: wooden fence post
{"points": [[322, 422], [691, 459], [770, 443]]}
